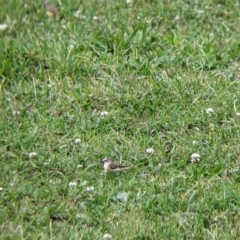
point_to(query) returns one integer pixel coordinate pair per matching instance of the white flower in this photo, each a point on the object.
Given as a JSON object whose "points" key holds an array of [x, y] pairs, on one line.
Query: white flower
{"points": [[194, 143], [46, 162], [90, 188], [72, 184], [1, 188], [211, 34], [3, 26], [16, 112], [77, 14], [176, 19], [197, 129], [79, 166], [95, 18], [32, 154], [209, 111], [70, 47], [128, 1], [195, 157], [238, 114], [104, 113], [200, 11], [150, 150], [107, 236], [211, 126], [77, 140], [84, 183]]}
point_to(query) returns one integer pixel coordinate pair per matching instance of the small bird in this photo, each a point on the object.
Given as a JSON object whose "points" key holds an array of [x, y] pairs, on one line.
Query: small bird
{"points": [[110, 166], [51, 10]]}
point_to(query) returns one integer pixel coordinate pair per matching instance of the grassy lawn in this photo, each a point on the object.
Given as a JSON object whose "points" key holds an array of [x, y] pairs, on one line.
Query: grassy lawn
{"points": [[113, 79]]}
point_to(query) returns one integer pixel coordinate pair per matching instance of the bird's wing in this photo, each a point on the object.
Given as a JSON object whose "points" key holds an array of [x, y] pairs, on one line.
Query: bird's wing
{"points": [[115, 166]]}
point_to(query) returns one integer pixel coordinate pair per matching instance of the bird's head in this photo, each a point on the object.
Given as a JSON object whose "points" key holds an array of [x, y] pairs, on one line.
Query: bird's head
{"points": [[106, 160]]}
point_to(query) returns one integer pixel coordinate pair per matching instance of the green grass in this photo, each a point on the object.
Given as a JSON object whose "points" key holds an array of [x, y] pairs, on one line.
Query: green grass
{"points": [[156, 78]]}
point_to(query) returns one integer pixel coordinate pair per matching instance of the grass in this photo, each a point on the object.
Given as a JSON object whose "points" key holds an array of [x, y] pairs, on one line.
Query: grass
{"points": [[155, 67]]}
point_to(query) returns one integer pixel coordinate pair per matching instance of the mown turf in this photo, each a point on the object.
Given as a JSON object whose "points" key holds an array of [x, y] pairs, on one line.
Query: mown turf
{"points": [[155, 67]]}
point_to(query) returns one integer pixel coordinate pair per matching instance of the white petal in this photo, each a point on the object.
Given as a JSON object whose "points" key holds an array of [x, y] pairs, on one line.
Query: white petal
{"points": [[32, 154], [70, 47], [77, 140], [177, 18], [194, 143], [84, 183], [77, 14], [209, 111], [107, 236], [104, 113], [16, 112], [195, 157], [150, 150], [90, 188], [3, 26], [197, 129], [72, 184]]}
